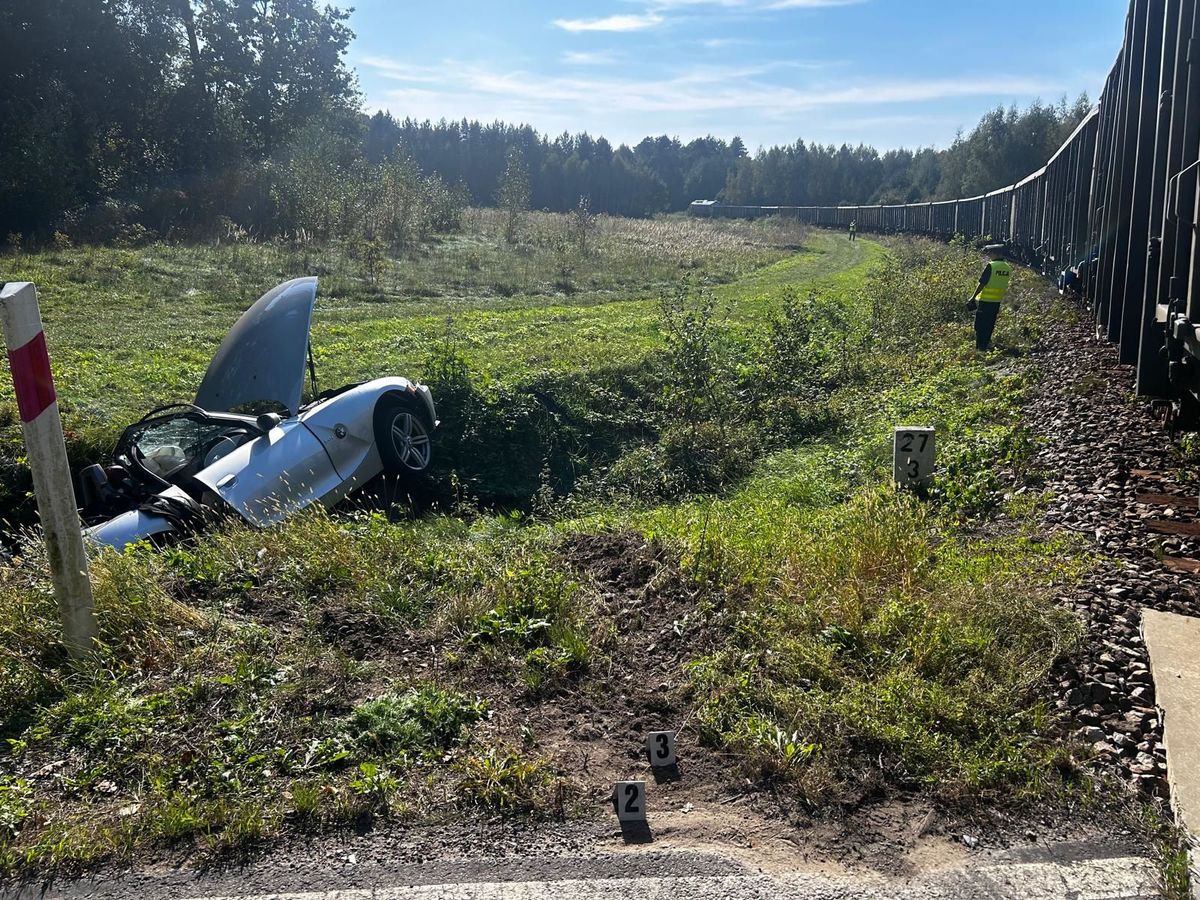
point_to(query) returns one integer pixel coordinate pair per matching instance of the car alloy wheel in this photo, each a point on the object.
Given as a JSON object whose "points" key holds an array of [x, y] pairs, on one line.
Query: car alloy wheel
{"points": [[410, 441]]}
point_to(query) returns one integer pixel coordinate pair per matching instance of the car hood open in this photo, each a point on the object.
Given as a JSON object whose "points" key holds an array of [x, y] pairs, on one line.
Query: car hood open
{"points": [[262, 359]]}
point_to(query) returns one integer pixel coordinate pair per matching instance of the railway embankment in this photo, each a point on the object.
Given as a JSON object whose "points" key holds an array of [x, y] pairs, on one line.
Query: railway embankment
{"points": [[1113, 477]]}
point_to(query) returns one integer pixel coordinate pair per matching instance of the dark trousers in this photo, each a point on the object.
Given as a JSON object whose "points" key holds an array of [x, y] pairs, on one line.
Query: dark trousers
{"points": [[985, 323]]}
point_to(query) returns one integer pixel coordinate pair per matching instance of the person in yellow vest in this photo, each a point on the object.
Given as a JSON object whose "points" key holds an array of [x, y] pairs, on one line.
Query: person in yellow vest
{"points": [[993, 288]]}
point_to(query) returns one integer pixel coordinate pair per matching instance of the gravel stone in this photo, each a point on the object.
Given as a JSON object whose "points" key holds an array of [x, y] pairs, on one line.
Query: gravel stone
{"points": [[1110, 472]]}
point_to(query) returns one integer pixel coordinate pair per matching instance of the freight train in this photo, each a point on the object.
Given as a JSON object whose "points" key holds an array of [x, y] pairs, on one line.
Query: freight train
{"points": [[1116, 209]]}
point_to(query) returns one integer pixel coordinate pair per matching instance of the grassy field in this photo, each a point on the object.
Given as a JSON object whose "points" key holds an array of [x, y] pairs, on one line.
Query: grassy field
{"points": [[137, 326], [133, 328], [680, 458]]}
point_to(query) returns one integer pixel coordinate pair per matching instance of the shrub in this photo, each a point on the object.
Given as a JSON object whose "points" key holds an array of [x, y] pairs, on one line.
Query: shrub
{"points": [[697, 357], [104, 222], [921, 291], [583, 223], [706, 456]]}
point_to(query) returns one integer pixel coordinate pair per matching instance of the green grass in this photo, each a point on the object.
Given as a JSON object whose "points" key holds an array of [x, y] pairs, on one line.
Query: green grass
{"points": [[894, 652], [129, 328], [877, 629], [839, 640], [134, 328]]}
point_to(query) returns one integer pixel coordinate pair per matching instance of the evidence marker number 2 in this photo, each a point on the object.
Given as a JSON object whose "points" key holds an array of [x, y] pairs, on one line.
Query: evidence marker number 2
{"points": [[630, 799]]}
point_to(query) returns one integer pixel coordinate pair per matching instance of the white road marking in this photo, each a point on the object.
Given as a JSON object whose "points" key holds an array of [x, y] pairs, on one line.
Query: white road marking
{"points": [[570, 889], [1091, 879], [1119, 878]]}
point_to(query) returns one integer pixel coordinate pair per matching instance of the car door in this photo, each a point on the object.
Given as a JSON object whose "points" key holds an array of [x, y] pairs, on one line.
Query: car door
{"points": [[274, 475], [345, 425]]}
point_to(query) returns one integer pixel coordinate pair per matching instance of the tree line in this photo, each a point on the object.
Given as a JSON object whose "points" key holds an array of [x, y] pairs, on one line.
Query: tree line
{"points": [[127, 119], [1003, 148]]}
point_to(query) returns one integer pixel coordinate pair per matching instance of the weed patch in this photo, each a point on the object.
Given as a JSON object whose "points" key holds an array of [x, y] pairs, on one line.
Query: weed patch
{"points": [[505, 780], [420, 721]]}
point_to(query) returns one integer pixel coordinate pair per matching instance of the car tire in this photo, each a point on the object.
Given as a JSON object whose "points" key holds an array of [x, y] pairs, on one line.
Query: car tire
{"points": [[403, 436]]}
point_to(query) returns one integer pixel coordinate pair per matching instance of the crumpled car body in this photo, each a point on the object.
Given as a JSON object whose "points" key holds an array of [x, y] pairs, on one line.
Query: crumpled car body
{"points": [[249, 445]]}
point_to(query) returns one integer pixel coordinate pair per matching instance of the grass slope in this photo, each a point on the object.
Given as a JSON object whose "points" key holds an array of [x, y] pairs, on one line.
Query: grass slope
{"points": [[805, 626], [133, 328]]}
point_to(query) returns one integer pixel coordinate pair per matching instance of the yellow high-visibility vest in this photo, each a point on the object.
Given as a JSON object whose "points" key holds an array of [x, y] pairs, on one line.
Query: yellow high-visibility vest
{"points": [[997, 287]]}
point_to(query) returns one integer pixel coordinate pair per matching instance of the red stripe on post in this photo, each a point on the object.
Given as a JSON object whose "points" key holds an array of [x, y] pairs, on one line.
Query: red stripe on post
{"points": [[32, 379]]}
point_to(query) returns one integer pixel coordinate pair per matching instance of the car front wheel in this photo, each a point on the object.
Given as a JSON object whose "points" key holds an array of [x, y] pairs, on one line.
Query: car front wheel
{"points": [[402, 435]]}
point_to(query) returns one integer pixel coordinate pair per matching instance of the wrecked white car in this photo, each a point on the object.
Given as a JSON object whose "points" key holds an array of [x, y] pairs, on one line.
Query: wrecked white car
{"points": [[184, 465]]}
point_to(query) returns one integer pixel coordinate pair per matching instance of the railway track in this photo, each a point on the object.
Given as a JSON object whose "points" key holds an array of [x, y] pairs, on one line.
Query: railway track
{"points": [[1118, 204]]}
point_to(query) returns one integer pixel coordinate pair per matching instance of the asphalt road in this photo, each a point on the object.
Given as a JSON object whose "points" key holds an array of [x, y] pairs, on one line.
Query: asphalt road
{"points": [[1069, 872]]}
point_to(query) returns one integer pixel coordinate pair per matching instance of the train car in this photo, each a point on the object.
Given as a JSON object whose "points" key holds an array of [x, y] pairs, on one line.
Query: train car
{"points": [[969, 217], [942, 220]]}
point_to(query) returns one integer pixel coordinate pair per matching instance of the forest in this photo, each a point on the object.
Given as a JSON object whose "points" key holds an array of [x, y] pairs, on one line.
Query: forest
{"points": [[133, 119]]}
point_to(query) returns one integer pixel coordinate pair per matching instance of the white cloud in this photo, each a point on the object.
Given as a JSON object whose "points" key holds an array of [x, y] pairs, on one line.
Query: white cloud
{"points": [[654, 11], [707, 93], [674, 4], [706, 86], [611, 23], [398, 71], [595, 58], [749, 5], [811, 4]]}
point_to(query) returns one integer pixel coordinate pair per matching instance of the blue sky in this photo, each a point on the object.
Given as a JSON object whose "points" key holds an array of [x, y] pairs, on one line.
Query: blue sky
{"points": [[884, 72]]}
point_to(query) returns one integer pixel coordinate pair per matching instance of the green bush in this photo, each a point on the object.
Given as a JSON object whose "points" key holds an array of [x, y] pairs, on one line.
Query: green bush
{"points": [[707, 456]]}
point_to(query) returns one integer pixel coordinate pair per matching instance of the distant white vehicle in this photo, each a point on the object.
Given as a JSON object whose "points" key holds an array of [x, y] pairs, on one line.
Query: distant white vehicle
{"points": [[183, 465]]}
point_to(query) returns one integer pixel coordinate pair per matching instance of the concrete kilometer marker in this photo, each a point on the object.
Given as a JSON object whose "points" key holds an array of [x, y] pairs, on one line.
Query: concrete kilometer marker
{"points": [[913, 456], [629, 797], [47, 451], [660, 747]]}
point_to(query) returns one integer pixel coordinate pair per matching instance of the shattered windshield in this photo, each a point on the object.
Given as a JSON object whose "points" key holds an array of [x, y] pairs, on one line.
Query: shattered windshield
{"points": [[166, 445]]}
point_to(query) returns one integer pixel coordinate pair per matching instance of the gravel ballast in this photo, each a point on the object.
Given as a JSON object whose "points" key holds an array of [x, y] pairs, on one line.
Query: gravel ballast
{"points": [[1114, 477]]}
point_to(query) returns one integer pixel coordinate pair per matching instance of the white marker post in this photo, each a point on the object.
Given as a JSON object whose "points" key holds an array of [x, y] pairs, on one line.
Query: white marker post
{"points": [[660, 747], [913, 457], [630, 800], [38, 405]]}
